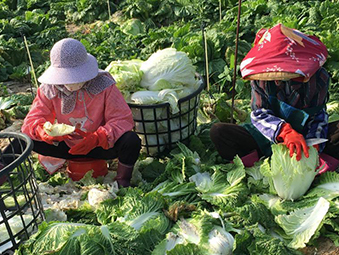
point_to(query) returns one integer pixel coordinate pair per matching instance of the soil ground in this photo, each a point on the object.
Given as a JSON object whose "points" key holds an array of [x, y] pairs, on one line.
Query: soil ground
{"points": [[324, 245]]}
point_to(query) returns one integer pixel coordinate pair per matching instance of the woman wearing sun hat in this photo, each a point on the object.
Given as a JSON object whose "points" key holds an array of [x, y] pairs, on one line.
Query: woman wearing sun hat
{"points": [[75, 92], [289, 96]]}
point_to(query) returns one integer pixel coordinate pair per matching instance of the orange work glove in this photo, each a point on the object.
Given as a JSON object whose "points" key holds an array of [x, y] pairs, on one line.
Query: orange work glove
{"points": [[293, 140], [91, 140], [43, 136]]}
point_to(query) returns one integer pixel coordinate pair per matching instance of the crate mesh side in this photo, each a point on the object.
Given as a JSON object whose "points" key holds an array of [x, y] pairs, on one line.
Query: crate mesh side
{"points": [[21, 210], [159, 129]]}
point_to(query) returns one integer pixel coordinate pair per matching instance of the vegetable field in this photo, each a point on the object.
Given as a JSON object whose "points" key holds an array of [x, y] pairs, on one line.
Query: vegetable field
{"points": [[187, 200]]}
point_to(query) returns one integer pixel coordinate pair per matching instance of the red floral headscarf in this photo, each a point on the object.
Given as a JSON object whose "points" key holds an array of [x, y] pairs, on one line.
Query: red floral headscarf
{"points": [[284, 50]]}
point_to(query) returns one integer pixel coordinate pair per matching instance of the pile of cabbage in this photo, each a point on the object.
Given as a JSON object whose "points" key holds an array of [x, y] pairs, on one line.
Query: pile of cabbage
{"points": [[191, 203], [165, 77]]}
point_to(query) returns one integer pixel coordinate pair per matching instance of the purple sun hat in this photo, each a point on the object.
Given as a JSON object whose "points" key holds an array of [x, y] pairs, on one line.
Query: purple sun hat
{"points": [[70, 63]]}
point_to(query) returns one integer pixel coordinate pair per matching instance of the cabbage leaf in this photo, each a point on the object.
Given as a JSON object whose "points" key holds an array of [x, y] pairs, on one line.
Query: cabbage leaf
{"points": [[301, 224], [58, 129]]}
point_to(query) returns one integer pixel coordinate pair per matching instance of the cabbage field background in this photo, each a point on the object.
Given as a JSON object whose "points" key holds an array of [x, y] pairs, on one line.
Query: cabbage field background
{"points": [[138, 28], [187, 213]]}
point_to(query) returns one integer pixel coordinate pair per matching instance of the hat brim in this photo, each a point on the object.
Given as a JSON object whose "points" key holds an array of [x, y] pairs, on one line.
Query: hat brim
{"points": [[82, 73], [273, 76]]}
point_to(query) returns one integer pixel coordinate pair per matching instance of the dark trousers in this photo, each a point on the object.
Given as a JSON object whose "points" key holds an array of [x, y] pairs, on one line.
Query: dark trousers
{"points": [[126, 149], [231, 140]]}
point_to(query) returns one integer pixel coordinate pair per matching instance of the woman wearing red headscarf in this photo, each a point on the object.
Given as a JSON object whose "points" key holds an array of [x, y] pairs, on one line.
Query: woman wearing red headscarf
{"points": [[289, 96]]}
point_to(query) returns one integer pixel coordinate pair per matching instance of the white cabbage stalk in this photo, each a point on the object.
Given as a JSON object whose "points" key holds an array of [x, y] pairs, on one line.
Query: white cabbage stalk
{"points": [[220, 242], [185, 91], [16, 225], [189, 231], [170, 96], [328, 186], [58, 129], [202, 180], [145, 97], [160, 84], [10, 202], [149, 125], [148, 114], [176, 135], [96, 196], [176, 125], [172, 240], [143, 162], [152, 140], [188, 105]]}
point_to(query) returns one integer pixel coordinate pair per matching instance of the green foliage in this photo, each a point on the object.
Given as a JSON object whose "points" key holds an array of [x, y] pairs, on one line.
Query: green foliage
{"points": [[150, 170], [58, 179], [266, 244], [87, 11], [83, 214], [161, 24], [40, 172], [193, 176]]}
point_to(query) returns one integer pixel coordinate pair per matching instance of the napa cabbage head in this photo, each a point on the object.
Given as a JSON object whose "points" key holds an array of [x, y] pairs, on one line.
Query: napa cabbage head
{"points": [[127, 75], [133, 27], [167, 69], [288, 177]]}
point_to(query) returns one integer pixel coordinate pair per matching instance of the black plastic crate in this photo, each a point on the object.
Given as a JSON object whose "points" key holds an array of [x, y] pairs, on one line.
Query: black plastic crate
{"points": [[20, 205], [159, 129]]}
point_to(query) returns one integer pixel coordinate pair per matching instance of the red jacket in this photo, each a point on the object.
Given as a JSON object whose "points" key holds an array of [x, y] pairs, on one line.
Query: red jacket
{"points": [[98, 105]]}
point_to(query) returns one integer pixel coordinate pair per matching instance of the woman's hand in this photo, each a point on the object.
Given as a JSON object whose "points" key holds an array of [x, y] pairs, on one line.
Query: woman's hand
{"points": [[41, 133], [90, 141], [294, 141]]}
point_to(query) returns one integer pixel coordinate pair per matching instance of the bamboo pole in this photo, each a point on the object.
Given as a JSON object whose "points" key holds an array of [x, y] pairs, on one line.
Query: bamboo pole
{"points": [[235, 60], [31, 62], [206, 59], [109, 10], [220, 18]]}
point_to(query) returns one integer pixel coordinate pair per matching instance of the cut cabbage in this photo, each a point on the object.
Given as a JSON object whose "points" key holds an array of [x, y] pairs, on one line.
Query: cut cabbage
{"points": [[96, 196], [58, 129], [16, 224], [290, 178], [10, 202]]}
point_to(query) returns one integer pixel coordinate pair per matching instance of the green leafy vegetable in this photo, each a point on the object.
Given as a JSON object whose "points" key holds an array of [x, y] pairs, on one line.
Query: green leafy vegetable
{"points": [[133, 27], [327, 187], [127, 75], [167, 68], [301, 224], [141, 212], [291, 178]]}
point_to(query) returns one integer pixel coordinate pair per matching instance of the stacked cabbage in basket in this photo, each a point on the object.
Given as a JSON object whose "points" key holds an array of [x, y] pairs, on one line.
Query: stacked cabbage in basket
{"points": [[165, 77]]}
